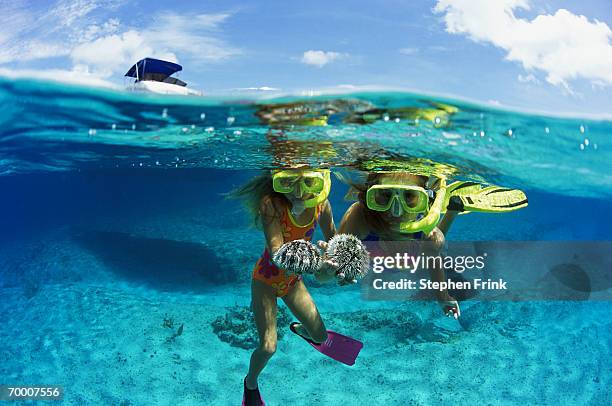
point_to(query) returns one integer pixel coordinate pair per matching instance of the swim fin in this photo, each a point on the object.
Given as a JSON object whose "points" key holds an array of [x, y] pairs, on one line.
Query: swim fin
{"points": [[251, 397], [474, 197], [337, 346]]}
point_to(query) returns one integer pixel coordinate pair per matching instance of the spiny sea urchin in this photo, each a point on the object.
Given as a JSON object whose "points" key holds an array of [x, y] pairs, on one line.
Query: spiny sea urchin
{"points": [[298, 257], [350, 254]]}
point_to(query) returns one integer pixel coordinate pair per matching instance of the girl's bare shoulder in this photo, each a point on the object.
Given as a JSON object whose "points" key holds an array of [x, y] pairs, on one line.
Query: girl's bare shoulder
{"points": [[354, 220], [356, 211]]}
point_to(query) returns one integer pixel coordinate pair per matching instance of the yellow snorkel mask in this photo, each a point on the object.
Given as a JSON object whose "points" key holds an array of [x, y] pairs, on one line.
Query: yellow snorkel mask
{"points": [[411, 199], [316, 182]]}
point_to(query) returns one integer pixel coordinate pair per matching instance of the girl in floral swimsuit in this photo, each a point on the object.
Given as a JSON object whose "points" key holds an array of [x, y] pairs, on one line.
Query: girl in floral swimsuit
{"points": [[266, 271], [287, 205]]}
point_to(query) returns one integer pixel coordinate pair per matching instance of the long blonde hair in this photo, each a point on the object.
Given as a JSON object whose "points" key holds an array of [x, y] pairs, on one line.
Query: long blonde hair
{"points": [[252, 193]]}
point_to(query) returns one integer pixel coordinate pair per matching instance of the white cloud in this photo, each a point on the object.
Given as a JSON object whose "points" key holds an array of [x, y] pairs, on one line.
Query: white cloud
{"points": [[563, 45], [409, 51], [42, 32], [115, 53], [438, 48], [192, 35], [168, 36], [79, 76], [320, 58], [103, 47], [94, 31], [529, 78]]}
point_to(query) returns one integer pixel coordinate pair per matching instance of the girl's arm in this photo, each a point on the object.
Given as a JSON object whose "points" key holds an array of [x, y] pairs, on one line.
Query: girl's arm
{"points": [[270, 220], [449, 305], [447, 221], [353, 222], [329, 230], [327, 222]]}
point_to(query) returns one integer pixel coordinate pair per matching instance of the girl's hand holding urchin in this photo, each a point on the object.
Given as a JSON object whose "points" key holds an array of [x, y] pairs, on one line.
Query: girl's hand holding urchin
{"points": [[298, 257], [346, 257], [329, 267]]}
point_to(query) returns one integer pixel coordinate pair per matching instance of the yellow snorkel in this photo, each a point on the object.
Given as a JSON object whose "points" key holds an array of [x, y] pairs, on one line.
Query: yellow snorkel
{"points": [[432, 218], [313, 181]]}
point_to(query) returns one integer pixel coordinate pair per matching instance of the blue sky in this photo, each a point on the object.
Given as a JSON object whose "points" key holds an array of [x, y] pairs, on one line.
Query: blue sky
{"points": [[553, 56]]}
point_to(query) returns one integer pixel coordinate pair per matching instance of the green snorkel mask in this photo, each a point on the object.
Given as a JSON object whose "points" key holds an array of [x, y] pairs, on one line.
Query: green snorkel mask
{"points": [[316, 182], [412, 199]]}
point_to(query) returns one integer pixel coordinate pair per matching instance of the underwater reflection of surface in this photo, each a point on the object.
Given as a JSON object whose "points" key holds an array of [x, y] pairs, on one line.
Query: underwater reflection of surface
{"points": [[166, 265]]}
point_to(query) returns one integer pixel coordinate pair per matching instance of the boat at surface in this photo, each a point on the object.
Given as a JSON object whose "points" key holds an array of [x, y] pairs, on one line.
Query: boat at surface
{"points": [[155, 76]]}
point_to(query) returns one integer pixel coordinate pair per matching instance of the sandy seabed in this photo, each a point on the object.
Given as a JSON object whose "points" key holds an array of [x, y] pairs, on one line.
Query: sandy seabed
{"points": [[96, 322], [115, 346]]}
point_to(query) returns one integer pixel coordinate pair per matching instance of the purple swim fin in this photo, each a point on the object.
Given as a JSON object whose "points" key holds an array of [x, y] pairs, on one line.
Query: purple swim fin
{"points": [[337, 346]]}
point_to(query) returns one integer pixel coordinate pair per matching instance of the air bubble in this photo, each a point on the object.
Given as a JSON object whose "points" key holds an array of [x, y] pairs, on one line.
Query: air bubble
{"points": [[230, 120], [581, 147], [203, 116], [210, 129], [397, 120], [114, 126], [133, 127], [546, 130], [165, 113], [92, 132], [237, 132], [510, 132], [586, 142], [482, 133], [581, 129]]}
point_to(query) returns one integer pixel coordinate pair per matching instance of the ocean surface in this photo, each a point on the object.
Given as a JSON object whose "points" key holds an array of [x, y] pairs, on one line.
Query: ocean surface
{"points": [[125, 271]]}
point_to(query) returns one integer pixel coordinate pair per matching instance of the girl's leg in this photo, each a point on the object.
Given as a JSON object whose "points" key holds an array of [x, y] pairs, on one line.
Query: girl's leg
{"points": [[299, 301], [264, 307]]}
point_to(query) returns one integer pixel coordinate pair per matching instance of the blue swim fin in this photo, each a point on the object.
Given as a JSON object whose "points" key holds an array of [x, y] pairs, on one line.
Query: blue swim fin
{"points": [[337, 346]]}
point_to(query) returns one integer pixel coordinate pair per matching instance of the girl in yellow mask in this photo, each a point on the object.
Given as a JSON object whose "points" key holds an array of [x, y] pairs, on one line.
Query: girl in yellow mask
{"points": [[394, 206], [287, 205]]}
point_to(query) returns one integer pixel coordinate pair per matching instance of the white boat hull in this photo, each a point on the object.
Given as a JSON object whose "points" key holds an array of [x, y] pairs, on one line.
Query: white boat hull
{"points": [[162, 88]]}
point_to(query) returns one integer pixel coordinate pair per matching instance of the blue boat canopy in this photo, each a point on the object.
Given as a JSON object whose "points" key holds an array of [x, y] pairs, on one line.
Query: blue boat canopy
{"points": [[150, 65]]}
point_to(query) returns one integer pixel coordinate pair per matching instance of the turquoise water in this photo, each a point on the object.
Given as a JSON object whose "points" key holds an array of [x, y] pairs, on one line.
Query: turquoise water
{"points": [[114, 232]]}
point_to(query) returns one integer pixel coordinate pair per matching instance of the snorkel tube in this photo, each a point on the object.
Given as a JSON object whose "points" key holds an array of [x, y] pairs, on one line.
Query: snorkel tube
{"points": [[432, 218]]}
